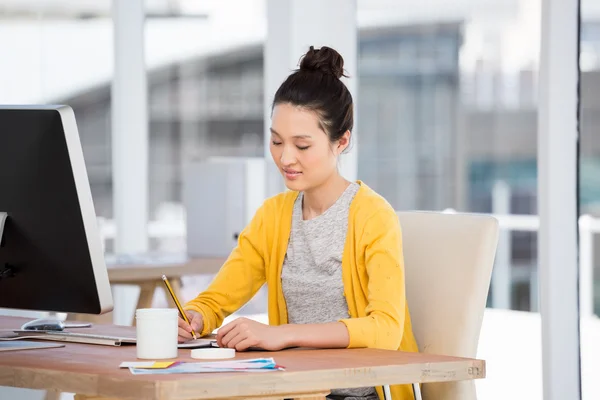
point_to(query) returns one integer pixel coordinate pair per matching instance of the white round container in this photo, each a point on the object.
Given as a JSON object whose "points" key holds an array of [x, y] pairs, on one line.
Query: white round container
{"points": [[156, 330], [213, 353]]}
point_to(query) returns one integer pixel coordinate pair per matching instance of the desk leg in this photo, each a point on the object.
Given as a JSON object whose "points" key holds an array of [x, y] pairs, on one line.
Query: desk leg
{"points": [[52, 395], [146, 296]]}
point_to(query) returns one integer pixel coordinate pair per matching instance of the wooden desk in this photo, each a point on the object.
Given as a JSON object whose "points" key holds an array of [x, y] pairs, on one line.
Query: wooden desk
{"points": [[91, 370], [146, 272], [126, 271]]}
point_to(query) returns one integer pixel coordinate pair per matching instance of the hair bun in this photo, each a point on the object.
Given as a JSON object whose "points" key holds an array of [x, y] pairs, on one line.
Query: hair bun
{"points": [[325, 60]]}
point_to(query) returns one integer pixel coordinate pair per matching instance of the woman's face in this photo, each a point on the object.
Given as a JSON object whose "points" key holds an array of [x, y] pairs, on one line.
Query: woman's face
{"points": [[301, 149]]}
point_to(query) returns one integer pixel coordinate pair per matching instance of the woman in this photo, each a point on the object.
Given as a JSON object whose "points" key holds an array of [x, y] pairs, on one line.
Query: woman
{"points": [[329, 250]]}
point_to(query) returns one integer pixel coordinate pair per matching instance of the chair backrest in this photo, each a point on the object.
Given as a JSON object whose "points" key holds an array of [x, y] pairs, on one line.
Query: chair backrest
{"points": [[448, 261]]}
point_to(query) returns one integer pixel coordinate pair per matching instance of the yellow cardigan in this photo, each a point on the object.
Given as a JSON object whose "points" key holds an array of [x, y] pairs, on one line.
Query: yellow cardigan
{"points": [[372, 273]]}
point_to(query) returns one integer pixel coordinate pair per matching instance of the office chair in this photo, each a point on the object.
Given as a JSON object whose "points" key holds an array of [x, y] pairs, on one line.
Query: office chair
{"points": [[448, 262]]}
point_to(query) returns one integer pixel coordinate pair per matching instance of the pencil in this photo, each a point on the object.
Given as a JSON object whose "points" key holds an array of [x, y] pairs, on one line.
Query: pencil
{"points": [[185, 318]]}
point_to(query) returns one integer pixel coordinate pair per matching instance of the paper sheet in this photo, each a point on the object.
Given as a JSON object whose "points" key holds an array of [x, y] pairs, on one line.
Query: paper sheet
{"points": [[148, 364], [251, 365]]}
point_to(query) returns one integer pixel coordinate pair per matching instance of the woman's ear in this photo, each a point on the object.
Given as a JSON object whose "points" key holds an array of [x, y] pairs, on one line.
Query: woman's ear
{"points": [[343, 142]]}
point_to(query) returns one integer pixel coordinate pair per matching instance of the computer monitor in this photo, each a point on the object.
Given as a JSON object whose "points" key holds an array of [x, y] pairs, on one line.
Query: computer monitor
{"points": [[51, 256]]}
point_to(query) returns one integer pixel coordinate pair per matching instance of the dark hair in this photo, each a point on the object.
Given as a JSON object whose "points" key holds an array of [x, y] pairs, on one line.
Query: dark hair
{"points": [[316, 86]]}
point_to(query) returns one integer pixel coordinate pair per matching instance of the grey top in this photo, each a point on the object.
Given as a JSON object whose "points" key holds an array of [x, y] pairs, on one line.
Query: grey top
{"points": [[311, 277]]}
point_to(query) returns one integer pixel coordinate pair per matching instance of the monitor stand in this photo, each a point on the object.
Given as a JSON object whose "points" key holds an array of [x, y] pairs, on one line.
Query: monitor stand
{"points": [[44, 324], [51, 324]]}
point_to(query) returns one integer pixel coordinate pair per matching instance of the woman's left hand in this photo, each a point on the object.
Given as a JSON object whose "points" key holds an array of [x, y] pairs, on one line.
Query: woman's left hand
{"points": [[243, 333]]}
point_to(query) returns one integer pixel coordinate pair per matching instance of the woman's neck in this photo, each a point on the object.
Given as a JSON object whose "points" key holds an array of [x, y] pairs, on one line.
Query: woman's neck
{"points": [[317, 200]]}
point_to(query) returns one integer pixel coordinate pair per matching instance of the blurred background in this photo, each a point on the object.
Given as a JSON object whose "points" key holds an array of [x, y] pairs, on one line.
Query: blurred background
{"points": [[446, 120]]}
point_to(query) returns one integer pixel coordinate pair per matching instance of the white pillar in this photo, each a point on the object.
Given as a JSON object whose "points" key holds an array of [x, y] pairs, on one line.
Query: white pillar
{"points": [[292, 27], [557, 199], [130, 128], [501, 276], [129, 144]]}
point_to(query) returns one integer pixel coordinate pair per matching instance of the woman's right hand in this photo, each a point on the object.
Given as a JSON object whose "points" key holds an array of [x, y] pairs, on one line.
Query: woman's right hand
{"points": [[185, 330]]}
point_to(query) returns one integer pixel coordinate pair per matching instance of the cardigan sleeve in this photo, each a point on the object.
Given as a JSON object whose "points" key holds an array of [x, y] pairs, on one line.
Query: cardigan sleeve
{"points": [[383, 325], [238, 280]]}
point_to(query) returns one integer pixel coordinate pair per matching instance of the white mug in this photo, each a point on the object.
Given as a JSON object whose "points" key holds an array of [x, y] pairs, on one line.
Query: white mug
{"points": [[157, 332]]}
